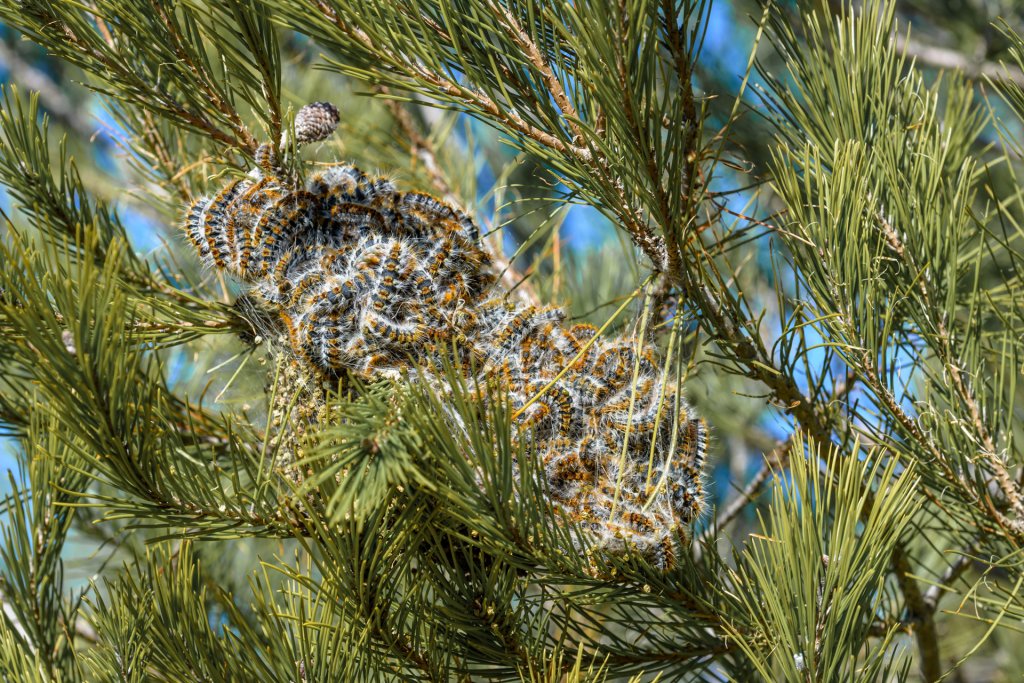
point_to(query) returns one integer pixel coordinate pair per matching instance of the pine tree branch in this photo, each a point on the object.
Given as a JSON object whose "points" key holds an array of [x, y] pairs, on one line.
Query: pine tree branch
{"points": [[1002, 476], [55, 100], [724, 325], [203, 80], [51, 29], [400, 644], [653, 246], [522, 40], [947, 58], [945, 351], [925, 634], [154, 141], [919, 615], [661, 238], [684, 73], [953, 572], [911, 427], [727, 329], [474, 98], [664, 254], [773, 461]]}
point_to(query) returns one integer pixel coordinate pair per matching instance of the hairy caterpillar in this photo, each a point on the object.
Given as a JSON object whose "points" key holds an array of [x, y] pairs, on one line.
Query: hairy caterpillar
{"points": [[367, 277]]}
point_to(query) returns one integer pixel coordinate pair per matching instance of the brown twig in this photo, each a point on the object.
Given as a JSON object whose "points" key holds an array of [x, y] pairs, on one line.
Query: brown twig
{"points": [[952, 573], [1002, 476], [169, 107], [551, 82], [919, 616], [914, 431], [947, 58], [753, 488], [149, 131]]}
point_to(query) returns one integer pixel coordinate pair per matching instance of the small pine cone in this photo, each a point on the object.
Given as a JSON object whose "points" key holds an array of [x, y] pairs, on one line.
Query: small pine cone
{"points": [[315, 122]]}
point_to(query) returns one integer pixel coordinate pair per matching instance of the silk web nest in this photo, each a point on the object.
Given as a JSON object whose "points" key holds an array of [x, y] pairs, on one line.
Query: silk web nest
{"points": [[365, 276]]}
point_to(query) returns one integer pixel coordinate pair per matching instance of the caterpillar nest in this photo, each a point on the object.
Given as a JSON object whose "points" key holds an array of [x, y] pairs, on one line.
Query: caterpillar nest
{"points": [[365, 277]]}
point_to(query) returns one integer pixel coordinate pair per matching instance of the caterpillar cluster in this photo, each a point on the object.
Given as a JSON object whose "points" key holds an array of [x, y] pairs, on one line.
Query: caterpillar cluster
{"points": [[368, 279]]}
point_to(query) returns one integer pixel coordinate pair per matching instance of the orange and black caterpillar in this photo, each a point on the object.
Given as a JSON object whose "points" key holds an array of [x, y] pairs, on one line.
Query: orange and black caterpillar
{"points": [[366, 278]]}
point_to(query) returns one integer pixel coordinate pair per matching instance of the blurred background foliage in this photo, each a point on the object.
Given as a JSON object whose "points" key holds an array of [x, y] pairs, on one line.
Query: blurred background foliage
{"points": [[849, 284]]}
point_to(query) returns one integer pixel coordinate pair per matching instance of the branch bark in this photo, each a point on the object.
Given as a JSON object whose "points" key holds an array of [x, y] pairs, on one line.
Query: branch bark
{"points": [[947, 58], [919, 615], [949, 358]]}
